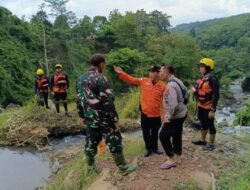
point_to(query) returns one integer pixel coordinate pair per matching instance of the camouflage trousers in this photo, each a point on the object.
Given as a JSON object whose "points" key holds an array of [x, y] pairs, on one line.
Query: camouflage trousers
{"points": [[113, 140]]}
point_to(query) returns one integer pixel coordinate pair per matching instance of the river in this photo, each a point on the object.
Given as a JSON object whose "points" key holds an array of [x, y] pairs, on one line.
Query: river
{"points": [[27, 169], [22, 169]]}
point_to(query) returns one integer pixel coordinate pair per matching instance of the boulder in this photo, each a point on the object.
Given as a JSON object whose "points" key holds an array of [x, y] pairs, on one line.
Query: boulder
{"points": [[12, 106]]}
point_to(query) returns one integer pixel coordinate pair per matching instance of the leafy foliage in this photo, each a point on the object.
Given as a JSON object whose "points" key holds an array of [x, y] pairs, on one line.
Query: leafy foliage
{"points": [[244, 115], [132, 61], [133, 41]]}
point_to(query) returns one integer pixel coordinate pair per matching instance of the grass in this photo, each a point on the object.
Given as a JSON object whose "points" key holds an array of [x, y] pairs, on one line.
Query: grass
{"points": [[74, 175], [4, 126], [187, 186], [13, 113], [237, 175], [191, 106], [128, 105]]}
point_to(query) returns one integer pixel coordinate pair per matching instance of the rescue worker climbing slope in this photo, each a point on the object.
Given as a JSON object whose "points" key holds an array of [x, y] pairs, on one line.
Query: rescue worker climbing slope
{"points": [[96, 107], [42, 87], [60, 86], [207, 94], [151, 97]]}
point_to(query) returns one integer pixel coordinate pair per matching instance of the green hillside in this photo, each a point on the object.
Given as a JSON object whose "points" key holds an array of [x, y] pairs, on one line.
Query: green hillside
{"points": [[134, 40], [227, 40]]}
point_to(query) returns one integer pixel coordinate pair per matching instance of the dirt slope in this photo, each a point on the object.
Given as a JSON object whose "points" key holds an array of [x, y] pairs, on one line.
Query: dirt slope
{"points": [[195, 172]]}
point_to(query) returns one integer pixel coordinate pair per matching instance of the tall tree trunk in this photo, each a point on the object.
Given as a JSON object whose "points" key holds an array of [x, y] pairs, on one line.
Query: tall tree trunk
{"points": [[45, 49], [44, 41]]}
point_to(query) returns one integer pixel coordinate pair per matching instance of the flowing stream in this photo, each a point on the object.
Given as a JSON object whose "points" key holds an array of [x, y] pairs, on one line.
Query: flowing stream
{"points": [[25, 169]]}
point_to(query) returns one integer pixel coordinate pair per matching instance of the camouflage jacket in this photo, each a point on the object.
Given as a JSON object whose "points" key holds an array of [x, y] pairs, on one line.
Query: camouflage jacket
{"points": [[95, 99]]}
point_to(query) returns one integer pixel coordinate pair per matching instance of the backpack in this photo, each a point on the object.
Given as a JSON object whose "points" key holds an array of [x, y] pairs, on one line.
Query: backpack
{"points": [[185, 93]]}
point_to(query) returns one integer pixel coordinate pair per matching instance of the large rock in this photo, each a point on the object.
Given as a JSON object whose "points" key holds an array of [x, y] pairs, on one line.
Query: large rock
{"points": [[228, 130], [223, 123], [12, 106]]}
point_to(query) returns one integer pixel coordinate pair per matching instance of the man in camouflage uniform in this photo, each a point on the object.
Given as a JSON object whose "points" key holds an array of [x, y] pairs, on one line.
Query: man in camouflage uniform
{"points": [[96, 107]]}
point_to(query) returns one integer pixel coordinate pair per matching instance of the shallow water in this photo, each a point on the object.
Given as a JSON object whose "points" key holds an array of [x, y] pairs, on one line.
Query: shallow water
{"points": [[22, 169], [67, 141]]}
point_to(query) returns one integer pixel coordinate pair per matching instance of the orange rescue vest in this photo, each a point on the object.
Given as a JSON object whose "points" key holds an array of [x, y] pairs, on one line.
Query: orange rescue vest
{"points": [[43, 84], [60, 83], [204, 93]]}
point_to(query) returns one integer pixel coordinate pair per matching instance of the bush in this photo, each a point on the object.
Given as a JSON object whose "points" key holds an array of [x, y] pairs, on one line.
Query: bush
{"points": [[128, 105], [132, 61], [243, 117]]}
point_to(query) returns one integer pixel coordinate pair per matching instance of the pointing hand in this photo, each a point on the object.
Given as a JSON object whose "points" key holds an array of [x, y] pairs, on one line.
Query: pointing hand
{"points": [[118, 69]]}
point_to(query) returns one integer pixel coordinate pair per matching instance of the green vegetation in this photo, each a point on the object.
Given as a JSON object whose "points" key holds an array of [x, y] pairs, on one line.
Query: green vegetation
{"points": [[6, 117], [27, 45], [237, 175], [133, 41], [227, 41], [128, 105], [243, 117], [75, 176]]}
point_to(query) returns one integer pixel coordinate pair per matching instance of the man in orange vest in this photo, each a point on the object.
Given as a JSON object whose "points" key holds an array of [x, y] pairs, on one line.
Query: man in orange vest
{"points": [[207, 94], [151, 97], [42, 86], [60, 85]]}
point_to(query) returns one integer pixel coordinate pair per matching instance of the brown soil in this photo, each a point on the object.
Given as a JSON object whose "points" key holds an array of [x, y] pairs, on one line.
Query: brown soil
{"points": [[197, 168]]}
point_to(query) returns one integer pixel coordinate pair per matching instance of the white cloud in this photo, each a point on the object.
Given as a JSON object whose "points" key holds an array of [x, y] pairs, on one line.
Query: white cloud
{"points": [[182, 11]]}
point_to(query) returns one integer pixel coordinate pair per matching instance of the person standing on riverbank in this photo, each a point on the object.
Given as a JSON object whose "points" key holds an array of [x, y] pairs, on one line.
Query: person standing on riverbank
{"points": [[60, 86], [150, 105], [175, 113], [41, 88], [95, 102], [207, 93]]}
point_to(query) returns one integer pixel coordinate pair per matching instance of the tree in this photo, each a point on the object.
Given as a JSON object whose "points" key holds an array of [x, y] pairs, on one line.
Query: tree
{"points": [[192, 33], [183, 54], [64, 18], [143, 21], [42, 18], [58, 7], [132, 61], [98, 21], [160, 21], [126, 31]]}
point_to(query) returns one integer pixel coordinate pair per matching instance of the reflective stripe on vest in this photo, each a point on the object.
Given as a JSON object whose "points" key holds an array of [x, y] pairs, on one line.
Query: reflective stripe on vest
{"points": [[43, 84], [60, 82], [204, 94]]}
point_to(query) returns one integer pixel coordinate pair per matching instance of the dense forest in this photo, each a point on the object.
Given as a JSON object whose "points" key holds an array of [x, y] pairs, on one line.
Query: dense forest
{"points": [[134, 40], [227, 40]]}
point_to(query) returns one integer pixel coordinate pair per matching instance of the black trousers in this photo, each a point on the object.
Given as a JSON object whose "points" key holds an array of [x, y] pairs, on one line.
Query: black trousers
{"points": [[63, 97], [150, 130], [43, 99], [171, 137], [206, 123]]}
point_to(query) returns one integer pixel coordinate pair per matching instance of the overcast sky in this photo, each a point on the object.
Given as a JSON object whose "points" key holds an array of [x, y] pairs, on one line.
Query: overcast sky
{"points": [[182, 11]]}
